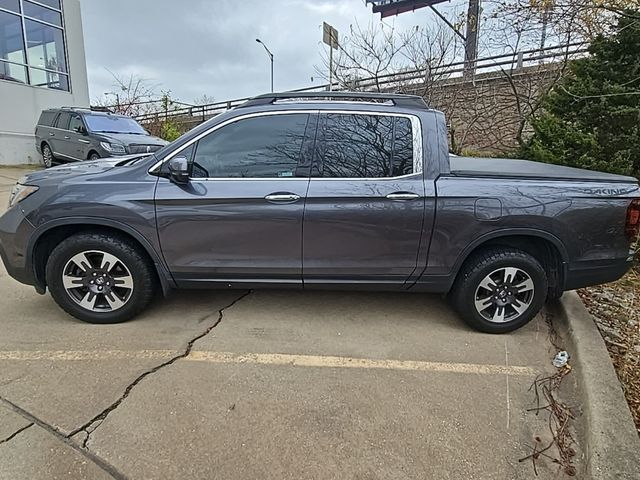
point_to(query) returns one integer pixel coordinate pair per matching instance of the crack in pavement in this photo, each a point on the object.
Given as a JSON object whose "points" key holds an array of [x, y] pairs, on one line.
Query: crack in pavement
{"points": [[93, 458], [16, 433], [91, 426]]}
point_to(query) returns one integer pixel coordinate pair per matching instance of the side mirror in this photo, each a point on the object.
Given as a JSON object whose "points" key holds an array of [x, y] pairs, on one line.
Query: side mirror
{"points": [[179, 170]]}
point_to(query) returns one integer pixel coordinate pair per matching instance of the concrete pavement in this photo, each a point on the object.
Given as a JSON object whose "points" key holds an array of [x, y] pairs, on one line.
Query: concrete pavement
{"points": [[267, 384]]}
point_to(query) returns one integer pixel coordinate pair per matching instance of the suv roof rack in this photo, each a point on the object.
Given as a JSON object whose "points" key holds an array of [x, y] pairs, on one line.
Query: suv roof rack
{"points": [[85, 109], [399, 100]]}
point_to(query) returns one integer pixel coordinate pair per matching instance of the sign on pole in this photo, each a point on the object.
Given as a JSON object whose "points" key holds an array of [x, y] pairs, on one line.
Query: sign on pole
{"points": [[329, 35]]}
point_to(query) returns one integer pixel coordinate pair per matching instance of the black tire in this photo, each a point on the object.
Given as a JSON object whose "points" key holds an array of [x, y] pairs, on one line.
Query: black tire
{"points": [[468, 289], [48, 159], [131, 260], [94, 156]]}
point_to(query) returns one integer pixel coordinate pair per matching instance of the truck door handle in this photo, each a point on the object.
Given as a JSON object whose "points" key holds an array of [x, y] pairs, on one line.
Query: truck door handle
{"points": [[403, 196], [282, 197], [67, 138], [84, 141], [51, 134]]}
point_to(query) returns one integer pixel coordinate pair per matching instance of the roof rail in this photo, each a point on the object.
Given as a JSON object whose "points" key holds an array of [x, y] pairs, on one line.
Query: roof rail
{"points": [[92, 109], [399, 100]]}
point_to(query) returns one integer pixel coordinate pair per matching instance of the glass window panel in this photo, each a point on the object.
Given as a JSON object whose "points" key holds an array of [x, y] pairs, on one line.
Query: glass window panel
{"points": [[63, 120], [47, 118], [76, 125], [357, 146], [12, 72], [42, 13], [113, 124], [11, 42], [57, 81], [403, 148], [13, 5], [50, 3], [45, 46], [261, 147]]}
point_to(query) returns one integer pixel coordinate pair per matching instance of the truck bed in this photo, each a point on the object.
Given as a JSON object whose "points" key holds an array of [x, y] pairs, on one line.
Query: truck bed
{"points": [[509, 168]]}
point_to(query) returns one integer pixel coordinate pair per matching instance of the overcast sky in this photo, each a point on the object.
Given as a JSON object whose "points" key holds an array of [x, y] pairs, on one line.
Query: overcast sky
{"points": [[198, 47]]}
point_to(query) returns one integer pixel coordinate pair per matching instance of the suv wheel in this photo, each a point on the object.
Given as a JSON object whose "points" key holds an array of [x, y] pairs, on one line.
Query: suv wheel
{"points": [[47, 156], [100, 278], [94, 156], [500, 290]]}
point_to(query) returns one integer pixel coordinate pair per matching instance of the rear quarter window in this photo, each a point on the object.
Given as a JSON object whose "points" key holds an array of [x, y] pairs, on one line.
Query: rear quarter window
{"points": [[47, 119]]}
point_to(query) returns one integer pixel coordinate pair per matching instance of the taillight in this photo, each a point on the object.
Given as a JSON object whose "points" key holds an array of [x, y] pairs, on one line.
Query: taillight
{"points": [[632, 227]]}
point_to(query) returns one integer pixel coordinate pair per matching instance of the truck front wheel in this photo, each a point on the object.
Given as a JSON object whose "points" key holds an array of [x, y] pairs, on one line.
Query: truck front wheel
{"points": [[100, 277], [499, 290]]}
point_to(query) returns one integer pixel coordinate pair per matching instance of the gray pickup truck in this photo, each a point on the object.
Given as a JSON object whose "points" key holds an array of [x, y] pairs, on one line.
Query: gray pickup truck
{"points": [[325, 190]]}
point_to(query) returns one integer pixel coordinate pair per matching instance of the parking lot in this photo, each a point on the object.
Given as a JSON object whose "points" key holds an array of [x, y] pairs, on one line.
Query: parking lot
{"points": [[266, 384]]}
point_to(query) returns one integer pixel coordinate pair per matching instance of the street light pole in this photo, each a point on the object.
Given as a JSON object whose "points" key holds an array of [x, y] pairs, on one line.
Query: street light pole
{"points": [[270, 58]]}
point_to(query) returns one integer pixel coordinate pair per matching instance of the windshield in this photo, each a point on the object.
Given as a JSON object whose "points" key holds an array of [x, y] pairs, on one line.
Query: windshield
{"points": [[113, 124]]}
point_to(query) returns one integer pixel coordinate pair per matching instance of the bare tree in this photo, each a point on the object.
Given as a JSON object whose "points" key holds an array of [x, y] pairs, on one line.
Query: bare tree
{"points": [[130, 95], [204, 100], [380, 58]]}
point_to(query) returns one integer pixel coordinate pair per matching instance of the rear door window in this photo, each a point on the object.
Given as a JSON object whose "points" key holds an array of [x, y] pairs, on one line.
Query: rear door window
{"points": [[365, 146], [63, 121]]}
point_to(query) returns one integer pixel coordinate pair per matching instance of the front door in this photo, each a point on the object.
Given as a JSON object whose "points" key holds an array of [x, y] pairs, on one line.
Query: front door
{"points": [[239, 220], [366, 201]]}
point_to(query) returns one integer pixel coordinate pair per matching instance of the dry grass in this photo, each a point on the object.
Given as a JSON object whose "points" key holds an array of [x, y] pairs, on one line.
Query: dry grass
{"points": [[616, 309]]}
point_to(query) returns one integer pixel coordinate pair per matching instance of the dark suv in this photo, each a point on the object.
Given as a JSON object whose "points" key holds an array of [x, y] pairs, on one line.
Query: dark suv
{"points": [[325, 190], [74, 134]]}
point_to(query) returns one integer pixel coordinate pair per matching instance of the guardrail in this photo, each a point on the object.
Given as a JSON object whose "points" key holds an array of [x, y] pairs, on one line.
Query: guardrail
{"points": [[512, 62]]}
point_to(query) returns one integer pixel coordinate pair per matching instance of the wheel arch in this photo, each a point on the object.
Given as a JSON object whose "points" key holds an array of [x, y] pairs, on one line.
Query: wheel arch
{"points": [[46, 237], [543, 246]]}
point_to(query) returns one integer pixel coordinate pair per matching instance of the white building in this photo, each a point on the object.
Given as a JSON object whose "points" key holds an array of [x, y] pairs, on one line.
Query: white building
{"points": [[42, 65]]}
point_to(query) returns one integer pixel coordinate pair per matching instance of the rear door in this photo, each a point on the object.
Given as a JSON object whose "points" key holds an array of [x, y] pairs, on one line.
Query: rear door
{"points": [[366, 201], [57, 135], [239, 220]]}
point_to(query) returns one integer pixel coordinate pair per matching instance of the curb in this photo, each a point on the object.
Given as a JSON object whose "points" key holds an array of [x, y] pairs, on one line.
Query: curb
{"points": [[611, 442]]}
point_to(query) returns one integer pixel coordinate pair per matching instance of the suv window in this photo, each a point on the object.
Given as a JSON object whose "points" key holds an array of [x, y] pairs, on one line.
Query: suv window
{"points": [[260, 147], [63, 121], [366, 146], [75, 122], [47, 119]]}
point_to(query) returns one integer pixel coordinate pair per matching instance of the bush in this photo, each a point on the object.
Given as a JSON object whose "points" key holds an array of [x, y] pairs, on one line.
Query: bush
{"points": [[591, 119]]}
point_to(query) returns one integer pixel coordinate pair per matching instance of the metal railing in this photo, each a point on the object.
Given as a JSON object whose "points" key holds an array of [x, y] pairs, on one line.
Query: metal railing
{"points": [[453, 71]]}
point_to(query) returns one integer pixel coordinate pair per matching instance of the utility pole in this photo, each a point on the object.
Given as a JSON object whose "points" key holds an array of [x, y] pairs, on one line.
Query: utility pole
{"points": [[471, 39], [270, 57]]}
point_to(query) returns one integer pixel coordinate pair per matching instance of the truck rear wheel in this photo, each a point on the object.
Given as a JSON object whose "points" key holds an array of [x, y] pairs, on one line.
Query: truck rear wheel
{"points": [[499, 290]]}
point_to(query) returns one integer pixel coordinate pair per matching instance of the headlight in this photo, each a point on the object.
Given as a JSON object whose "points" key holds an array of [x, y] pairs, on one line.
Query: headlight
{"points": [[19, 192], [113, 147]]}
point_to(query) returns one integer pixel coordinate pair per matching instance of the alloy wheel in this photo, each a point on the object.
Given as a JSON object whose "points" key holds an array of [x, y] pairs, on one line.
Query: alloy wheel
{"points": [[47, 157], [97, 281], [504, 295]]}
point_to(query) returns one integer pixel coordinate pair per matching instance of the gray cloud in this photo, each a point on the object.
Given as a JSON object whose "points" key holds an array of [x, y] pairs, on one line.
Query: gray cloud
{"points": [[198, 47]]}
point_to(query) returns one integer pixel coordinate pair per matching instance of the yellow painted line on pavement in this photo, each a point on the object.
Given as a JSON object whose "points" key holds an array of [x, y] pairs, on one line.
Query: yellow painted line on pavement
{"points": [[362, 363], [75, 355], [318, 361]]}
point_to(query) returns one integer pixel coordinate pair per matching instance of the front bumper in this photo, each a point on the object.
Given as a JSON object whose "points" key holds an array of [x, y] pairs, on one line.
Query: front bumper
{"points": [[15, 232]]}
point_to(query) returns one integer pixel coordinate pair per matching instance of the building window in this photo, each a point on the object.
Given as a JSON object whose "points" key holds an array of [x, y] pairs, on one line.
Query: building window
{"points": [[32, 49]]}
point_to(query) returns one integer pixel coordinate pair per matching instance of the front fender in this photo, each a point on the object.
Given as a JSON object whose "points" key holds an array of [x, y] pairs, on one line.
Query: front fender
{"points": [[166, 279]]}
